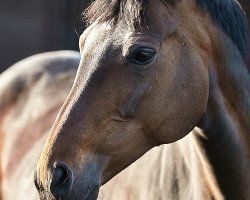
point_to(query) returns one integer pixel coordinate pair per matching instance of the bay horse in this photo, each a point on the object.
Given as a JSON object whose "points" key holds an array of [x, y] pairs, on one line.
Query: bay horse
{"points": [[150, 73], [187, 169], [33, 90]]}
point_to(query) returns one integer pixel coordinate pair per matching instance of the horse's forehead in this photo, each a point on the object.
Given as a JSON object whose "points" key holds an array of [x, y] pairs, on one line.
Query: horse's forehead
{"points": [[96, 33], [102, 37], [105, 37], [158, 19]]}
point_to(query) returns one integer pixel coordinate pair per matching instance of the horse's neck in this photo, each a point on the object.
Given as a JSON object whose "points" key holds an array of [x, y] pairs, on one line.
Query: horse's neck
{"points": [[227, 125]]}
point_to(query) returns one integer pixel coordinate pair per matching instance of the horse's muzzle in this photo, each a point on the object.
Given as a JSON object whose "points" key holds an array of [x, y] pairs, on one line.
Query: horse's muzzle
{"points": [[64, 185]]}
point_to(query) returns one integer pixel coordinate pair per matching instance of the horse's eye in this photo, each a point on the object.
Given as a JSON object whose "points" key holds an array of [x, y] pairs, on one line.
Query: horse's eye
{"points": [[143, 56]]}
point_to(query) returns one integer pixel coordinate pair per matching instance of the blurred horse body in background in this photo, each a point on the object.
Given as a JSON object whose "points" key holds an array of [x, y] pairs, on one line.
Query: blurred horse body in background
{"points": [[32, 91]]}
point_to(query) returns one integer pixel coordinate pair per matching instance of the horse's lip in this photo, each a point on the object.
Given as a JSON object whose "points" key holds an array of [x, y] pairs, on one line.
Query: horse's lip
{"points": [[93, 189]]}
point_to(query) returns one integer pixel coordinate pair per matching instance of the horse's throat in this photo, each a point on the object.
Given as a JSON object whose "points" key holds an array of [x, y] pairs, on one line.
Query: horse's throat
{"points": [[227, 126]]}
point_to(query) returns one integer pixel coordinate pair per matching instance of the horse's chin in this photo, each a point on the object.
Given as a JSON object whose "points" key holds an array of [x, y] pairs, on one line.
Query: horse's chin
{"points": [[80, 194]]}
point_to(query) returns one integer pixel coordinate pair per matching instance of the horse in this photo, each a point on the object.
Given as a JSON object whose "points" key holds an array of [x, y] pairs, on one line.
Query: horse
{"points": [[151, 73], [26, 118], [183, 165]]}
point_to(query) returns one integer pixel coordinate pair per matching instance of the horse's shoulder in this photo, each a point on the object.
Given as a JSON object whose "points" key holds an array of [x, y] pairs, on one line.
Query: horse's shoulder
{"points": [[24, 75]]}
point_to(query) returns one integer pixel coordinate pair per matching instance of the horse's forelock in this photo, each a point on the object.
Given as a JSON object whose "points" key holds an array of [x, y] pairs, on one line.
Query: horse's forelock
{"points": [[130, 11]]}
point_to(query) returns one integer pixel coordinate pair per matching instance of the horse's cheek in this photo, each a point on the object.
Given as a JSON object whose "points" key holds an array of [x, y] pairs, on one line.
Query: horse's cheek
{"points": [[181, 114]]}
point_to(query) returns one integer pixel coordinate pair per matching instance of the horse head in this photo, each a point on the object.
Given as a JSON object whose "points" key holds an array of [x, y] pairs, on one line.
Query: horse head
{"points": [[142, 81]]}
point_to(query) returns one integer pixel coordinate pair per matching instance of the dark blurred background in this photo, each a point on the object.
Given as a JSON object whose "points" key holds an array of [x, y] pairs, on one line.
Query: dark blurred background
{"points": [[28, 27]]}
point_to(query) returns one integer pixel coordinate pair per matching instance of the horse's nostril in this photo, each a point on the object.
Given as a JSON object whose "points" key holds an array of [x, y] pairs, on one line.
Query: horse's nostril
{"points": [[62, 180]]}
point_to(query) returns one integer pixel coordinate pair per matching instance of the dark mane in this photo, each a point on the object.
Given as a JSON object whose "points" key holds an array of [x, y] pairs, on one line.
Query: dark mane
{"points": [[226, 14], [230, 17], [130, 11]]}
